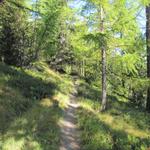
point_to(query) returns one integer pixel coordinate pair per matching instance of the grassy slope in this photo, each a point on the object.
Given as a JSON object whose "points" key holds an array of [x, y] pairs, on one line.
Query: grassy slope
{"points": [[31, 103], [120, 128]]}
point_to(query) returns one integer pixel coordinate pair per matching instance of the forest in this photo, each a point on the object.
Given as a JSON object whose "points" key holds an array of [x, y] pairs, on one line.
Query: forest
{"points": [[74, 74]]}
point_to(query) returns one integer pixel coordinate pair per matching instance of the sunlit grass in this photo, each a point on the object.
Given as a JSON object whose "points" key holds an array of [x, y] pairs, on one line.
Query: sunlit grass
{"points": [[46, 102], [37, 128], [121, 127], [31, 104], [117, 122]]}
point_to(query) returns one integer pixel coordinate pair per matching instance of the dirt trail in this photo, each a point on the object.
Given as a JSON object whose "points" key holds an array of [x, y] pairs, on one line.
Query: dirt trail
{"points": [[69, 131]]}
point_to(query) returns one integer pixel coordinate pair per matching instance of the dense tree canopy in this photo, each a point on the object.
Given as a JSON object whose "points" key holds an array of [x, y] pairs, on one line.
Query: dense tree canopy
{"points": [[55, 51], [32, 30]]}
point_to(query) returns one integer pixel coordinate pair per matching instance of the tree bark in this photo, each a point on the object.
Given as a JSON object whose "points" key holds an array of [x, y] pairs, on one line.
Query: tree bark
{"points": [[148, 53], [103, 53]]}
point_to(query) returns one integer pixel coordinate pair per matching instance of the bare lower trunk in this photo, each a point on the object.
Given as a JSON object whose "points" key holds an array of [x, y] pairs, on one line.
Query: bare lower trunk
{"points": [[103, 49], [104, 100], [148, 53]]}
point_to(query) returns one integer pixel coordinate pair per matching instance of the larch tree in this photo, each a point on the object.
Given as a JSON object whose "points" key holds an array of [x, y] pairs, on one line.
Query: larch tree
{"points": [[115, 33], [52, 24], [103, 59], [148, 53], [99, 35]]}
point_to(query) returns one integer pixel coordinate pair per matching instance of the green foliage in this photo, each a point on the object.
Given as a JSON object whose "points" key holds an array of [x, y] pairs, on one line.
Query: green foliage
{"points": [[113, 130], [27, 107], [94, 136], [124, 43], [15, 35], [144, 2], [32, 30], [71, 40], [52, 30]]}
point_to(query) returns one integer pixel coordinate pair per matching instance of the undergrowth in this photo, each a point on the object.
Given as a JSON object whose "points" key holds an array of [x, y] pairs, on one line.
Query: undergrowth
{"points": [[121, 127], [31, 104]]}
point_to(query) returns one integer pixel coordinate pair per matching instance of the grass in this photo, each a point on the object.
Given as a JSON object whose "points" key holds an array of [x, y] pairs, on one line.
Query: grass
{"points": [[121, 127], [31, 104]]}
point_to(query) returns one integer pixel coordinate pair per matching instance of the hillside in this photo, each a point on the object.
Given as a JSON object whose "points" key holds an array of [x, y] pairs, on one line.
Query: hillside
{"points": [[74, 74], [121, 127], [31, 104]]}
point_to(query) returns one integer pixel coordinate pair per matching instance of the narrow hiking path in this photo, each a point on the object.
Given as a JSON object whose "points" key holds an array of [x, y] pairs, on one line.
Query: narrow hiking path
{"points": [[69, 132]]}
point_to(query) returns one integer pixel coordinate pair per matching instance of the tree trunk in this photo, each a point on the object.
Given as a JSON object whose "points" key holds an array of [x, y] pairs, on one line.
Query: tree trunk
{"points": [[83, 66], [103, 51], [148, 53]]}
